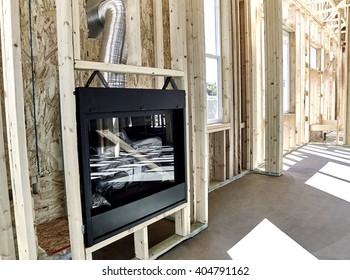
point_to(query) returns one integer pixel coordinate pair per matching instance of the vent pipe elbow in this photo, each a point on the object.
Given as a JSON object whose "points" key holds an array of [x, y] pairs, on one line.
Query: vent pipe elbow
{"points": [[108, 18]]}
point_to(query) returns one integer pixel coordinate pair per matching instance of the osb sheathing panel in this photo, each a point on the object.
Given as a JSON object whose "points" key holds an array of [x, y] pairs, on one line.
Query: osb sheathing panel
{"points": [[49, 204], [90, 47], [41, 92], [45, 83], [211, 157], [166, 35], [147, 40]]}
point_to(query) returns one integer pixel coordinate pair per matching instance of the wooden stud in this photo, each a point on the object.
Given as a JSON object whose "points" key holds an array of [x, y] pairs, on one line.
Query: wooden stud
{"points": [[299, 60], [133, 26], [307, 91], [14, 104], [303, 61], [7, 244], [274, 87], [68, 123], [191, 118], [236, 122], [178, 49], [141, 244], [347, 95], [292, 57], [339, 75], [182, 222], [300, 80], [227, 77], [158, 39], [197, 99], [226, 57], [259, 72], [247, 93], [76, 29]]}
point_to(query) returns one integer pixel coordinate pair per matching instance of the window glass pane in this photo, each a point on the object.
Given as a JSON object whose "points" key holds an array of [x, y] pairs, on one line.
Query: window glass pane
{"points": [[210, 19], [313, 58], [213, 60], [212, 89]]}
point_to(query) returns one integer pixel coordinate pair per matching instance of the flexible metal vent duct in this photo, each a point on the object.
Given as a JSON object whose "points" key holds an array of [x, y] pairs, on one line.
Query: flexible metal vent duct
{"points": [[107, 18]]}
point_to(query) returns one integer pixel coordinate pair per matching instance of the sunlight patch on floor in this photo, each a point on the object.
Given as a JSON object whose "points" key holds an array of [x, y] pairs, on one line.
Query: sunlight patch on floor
{"points": [[267, 242], [333, 185], [324, 155], [293, 157]]}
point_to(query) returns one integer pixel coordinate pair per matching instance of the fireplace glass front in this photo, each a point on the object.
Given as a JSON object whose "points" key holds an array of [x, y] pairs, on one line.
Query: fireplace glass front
{"points": [[132, 157]]}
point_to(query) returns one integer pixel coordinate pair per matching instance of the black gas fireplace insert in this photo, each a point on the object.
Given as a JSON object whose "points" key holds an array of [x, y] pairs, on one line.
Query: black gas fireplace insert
{"points": [[132, 157]]}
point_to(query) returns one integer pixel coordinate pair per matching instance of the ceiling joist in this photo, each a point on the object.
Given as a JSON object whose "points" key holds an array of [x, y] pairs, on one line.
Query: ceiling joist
{"points": [[327, 13]]}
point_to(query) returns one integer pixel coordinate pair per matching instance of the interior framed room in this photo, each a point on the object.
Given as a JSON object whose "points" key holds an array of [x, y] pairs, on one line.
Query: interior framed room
{"points": [[124, 124]]}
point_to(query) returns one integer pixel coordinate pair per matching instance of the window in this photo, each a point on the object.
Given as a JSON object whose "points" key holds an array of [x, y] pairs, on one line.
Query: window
{"points": [[286, 73], [213, 60], [313, 58]]}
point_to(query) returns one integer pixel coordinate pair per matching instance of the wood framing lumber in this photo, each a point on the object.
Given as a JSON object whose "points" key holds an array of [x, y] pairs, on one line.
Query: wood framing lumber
{"points": [[236, 68], [197, 99], [126, 69], [182, 222], [134, 42], [76, 29], [141, 244], [133, 23], [177, 20], [123, 234], [158, 39], [227, 77], [68, 123], [347, 94], [216, 127], [14, 105], [7, 244], [324, 127], [274, 86]]}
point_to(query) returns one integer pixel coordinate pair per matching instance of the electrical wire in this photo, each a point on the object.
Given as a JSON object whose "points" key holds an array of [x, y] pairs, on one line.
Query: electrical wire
{"points": [[33, 86]]}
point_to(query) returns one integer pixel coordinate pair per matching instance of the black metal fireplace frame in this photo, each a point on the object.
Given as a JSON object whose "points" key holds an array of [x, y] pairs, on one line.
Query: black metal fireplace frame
{"points": [[93, 103]]}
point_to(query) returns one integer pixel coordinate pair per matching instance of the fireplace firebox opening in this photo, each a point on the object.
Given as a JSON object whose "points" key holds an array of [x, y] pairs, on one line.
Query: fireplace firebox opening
{"points": [[132, 157]]}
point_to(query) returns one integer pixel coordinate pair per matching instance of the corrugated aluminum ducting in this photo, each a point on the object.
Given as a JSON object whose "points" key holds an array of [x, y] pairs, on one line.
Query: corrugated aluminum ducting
{"points": [[107, 18]]}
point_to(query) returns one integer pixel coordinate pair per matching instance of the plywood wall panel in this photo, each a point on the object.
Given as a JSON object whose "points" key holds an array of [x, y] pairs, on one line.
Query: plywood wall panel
{"points": [[40, 87]]}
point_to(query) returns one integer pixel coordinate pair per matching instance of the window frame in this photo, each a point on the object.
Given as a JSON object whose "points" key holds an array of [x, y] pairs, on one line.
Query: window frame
{"points": [[217, 57]]}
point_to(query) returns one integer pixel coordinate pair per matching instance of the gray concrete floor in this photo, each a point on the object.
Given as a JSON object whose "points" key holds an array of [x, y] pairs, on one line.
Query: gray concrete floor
{"points": [[318, 221]]}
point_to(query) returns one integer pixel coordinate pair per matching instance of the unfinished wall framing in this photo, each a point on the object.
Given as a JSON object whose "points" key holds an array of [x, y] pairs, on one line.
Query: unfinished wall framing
{"points": [[7, 244], [167, 40], [177, 26], [314, 95]]}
